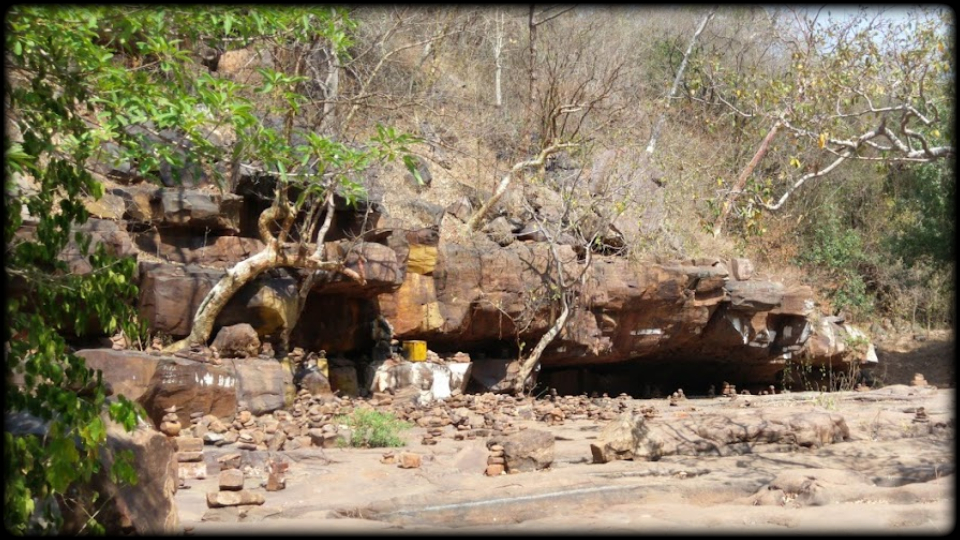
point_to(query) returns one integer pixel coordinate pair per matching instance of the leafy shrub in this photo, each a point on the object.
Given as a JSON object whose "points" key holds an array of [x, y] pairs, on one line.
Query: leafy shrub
{"points": [[374, 429]]}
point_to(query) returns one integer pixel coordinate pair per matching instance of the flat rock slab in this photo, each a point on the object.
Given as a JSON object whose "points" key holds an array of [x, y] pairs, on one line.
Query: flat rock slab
{"points": [[631, 436], [219, 499]]}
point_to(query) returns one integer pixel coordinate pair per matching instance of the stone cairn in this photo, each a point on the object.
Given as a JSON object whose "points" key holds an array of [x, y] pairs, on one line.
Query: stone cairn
{"points": [[231, 484], [496, 463], [919, 380]]}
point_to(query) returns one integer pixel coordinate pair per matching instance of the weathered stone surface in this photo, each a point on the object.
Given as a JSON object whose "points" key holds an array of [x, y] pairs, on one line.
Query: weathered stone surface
{"points": [[376, 263], [148, 509], [344, 379], [209, 251], [261, 384], [500, 231], [189, 444], [170, 295], [200, 210], [421, 259], [413, 308], [237, 341], [797, 300], [527, 450], [189, 457], [619, 439], [494, 374], [101, 231], [191, 386], [741, 269], [267, 304], [230, 480], [410, 460], [717, 434], [218, 499], [109, 206], [754, 295], [128, 372]]}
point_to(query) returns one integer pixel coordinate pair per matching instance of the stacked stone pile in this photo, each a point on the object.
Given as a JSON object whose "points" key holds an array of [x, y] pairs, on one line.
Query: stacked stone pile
{"points": [[231, 486]]}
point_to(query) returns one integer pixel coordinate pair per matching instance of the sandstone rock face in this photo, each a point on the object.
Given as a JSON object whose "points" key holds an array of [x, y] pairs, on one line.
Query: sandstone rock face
{"points": [[190, 386], [212, 251], [170, 295], [261, 384], [182, 208], [149, 507], [129, 372], [527, 450], [237, 341], [376, 263], [645, 313], [717, 434]]}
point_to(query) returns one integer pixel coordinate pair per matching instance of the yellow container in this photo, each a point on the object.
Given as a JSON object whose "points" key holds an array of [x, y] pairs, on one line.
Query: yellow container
{"points": [[415, 351]]}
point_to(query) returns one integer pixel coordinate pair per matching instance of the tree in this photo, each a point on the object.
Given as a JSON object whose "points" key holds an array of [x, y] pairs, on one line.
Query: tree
{"points": [[861, 87], [583, 221], [55, 70], [84, 81]]}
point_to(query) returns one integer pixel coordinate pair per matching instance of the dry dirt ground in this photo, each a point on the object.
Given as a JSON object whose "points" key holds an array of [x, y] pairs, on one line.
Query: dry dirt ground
{"points": [[894, 476]]}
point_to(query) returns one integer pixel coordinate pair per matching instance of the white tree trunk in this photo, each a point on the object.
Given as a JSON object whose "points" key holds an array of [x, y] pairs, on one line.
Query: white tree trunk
{"points": [[676, 80], [478, 216], [530, 363], [211, 306], [498, 58]]}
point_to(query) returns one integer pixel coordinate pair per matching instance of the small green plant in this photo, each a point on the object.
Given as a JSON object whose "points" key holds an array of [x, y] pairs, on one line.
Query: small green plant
{"points": [[374, 429]]}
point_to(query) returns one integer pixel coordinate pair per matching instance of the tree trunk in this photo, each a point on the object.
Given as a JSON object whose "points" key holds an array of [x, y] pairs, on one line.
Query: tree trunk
{"points": [[475, 220], [237, 276], [530, 363], [498, 59], [742, 180], [655, 134]]}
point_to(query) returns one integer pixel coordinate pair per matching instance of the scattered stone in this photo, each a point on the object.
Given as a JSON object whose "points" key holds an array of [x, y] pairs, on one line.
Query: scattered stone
{"points": [[219, 499], [388, 458], [410, 460], [229, 461], [231, 480], [189, 457]]}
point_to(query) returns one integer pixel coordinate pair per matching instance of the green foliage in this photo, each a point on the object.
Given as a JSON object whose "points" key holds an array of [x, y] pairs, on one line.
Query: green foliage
{"points": [[922, 200], [374, 429], [79, 77], [838, 252]]}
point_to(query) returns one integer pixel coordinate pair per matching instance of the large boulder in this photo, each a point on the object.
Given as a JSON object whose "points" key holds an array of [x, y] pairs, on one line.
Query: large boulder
{"points": [[261, 385], [619, 439], [192, 387], [376, 263], [147, 508], [182, 208], [170, 295], [527, 450], [129, 372], [237, 341]]}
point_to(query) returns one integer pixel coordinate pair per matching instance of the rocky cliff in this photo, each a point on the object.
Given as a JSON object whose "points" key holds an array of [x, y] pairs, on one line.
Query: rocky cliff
{"points": [[693, 322]]}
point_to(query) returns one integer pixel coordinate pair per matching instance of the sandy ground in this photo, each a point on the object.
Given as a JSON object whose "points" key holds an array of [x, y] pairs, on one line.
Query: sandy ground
{"points": [[894, 476]]}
